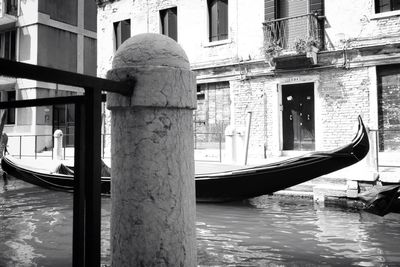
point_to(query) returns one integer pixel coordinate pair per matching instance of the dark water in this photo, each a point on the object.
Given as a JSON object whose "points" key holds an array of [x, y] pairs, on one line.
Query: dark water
{"points": [[36, 230]]}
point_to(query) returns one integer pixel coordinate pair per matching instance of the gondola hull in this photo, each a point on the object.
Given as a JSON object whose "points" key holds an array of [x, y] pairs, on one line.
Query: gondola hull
{"points": [[236, 184], [269, 178]]}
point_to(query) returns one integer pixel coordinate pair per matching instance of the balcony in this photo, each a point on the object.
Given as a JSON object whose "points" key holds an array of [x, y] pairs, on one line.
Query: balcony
{"points": [[8, 13], [293, 42]]}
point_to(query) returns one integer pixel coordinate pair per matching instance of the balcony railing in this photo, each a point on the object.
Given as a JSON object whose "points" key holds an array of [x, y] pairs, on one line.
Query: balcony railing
{"points": [[292, 33]]}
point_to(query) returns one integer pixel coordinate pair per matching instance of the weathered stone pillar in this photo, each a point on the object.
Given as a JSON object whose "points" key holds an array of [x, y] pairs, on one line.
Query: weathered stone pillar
{"points": [[152, 190], [57, 150]]}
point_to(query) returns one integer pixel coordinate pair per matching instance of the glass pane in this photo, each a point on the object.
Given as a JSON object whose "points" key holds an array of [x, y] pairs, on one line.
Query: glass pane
{"points": [[382, 6]]}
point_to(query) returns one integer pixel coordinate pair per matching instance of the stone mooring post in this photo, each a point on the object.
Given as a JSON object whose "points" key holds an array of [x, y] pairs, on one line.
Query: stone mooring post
{"points": [[153, 188], [57, 150]]}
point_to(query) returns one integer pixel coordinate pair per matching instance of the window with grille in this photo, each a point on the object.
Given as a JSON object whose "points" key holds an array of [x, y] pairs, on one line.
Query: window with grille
{"points": [[386, 5], [122, 31], [11, 7], [169, 22], [218, 20]]}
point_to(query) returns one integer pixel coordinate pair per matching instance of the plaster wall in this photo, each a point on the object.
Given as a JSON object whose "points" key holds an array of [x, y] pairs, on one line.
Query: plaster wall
{"points": [[358, 25], [244, 20]]}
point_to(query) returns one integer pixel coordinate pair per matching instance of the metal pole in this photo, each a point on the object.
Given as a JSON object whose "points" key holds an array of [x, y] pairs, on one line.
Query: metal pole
{"points": [[20, 146], [247, 137], [64, 144], [220, 147], [377, 149], [78, 234], [92, 160], [87, 202], [86, 219], [35, 146]]}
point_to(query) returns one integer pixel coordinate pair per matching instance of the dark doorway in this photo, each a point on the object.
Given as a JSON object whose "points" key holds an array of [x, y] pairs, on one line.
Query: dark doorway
{"points": [[64, 119], [298, 116]]}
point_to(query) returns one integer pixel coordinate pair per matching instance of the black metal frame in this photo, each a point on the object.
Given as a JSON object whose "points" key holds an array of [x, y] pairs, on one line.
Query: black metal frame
{"points": [[87, 201]]}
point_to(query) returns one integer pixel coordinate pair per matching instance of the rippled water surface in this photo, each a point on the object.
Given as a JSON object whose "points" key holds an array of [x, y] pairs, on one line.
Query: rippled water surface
{"points": [[36, 230]]}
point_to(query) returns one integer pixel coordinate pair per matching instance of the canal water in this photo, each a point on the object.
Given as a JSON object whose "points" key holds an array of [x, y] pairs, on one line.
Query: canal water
{"points": [[36, 230]]}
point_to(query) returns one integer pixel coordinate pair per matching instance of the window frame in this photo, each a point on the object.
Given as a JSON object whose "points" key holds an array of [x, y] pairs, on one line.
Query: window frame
{"points": [[167, 28], [119, 35], [222, 24], [391, 7]]}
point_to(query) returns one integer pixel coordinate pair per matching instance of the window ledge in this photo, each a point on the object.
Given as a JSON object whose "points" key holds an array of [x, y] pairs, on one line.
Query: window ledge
{"points": [[217, 43], [386, 14]]}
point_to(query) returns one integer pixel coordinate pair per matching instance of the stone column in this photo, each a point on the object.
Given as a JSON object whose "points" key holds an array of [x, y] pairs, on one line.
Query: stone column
{"points": [[152, 165], [57, 150]]}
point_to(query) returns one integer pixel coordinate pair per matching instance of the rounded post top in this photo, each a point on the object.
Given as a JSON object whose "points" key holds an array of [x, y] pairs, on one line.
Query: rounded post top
{"points": [[160, 69], [58, 133], [150, 49]]}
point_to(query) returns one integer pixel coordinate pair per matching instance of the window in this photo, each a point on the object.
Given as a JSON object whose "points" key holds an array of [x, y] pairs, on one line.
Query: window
{"points": [[200, 93], [218, 20], [7, 45], [386, 5], [11, 7], [169, 22], [10, 112], [122, 31], [388, 101]]}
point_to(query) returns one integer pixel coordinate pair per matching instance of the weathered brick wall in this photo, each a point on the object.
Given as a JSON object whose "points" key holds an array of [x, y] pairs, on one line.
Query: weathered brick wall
{"points": [[249, 96], [213, 111], [343, 95]]}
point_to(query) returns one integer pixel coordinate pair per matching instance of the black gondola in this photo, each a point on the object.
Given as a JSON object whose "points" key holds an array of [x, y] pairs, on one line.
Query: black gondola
{"points": [[229, 185]]}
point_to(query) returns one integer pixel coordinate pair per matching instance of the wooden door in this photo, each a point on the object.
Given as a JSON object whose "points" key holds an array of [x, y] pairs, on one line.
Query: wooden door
{"points": [[298, 116]]}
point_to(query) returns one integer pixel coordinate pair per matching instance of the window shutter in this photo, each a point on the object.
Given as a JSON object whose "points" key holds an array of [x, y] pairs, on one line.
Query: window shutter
{"points": [[223, 20], [125, 30], [317, 6], [270, 10], [173, 24], [213, 13]]}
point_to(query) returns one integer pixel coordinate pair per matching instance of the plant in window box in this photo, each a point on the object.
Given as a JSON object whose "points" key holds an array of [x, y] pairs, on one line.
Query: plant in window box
{"points": [[308, 47], [272, 49]]}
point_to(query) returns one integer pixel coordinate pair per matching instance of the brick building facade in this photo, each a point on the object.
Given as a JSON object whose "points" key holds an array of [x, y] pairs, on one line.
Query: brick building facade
{"points": [[261, 60]]}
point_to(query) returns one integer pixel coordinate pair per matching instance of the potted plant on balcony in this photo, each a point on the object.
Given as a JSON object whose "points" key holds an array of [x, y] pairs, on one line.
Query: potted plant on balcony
{"points": [[308, 47], [272, 49]]}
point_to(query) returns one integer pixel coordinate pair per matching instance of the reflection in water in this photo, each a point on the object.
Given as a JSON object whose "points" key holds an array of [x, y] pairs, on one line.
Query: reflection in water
{"points": [[294, 232], [36, 230], [35, 226]]}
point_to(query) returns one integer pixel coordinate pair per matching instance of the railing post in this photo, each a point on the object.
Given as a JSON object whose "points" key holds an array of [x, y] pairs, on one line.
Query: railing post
{"points": [[153, 193], [87, 202]]}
